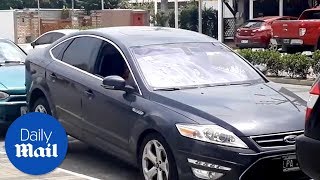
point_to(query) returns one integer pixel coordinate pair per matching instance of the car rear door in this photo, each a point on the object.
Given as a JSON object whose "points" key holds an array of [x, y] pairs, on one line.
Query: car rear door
{"points": [[65, 77]]}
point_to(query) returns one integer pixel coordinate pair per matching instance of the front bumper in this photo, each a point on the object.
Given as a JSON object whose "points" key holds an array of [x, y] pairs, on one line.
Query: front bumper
{"points": [[307, 154], [234, 163], [288, 42], [251, 41], [9, 111]]}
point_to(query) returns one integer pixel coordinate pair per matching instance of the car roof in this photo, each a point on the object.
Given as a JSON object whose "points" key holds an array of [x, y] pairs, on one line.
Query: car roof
{"points": [[5, 39], [64, 31], [268, 18], [145, 35]]}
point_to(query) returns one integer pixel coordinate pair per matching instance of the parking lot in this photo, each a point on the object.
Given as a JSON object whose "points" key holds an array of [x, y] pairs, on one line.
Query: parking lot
{"points": [[93, 163]]}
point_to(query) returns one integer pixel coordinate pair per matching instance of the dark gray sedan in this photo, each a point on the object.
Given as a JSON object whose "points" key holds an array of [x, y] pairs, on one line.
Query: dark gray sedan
{"points": [[176, 103]]}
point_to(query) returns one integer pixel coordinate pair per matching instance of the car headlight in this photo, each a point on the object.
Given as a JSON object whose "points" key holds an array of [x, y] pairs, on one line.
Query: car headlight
{"points": [[210, 133], [3, 95]]}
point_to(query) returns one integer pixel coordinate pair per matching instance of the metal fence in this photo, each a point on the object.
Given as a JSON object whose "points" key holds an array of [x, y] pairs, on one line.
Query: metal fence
{"points": [[229, 28]]}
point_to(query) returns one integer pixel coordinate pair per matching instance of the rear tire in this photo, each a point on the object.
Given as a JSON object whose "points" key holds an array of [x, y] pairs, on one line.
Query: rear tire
{"points": [[41, 105], [156, 158]]}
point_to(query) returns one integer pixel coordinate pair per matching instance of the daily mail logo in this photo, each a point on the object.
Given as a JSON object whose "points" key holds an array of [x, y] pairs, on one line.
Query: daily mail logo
{"points": [[36, 140], [28, 150]]}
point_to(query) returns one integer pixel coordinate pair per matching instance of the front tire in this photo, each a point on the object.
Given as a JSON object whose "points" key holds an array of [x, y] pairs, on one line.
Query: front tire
{"points": [[41, 105], [156, 159]]}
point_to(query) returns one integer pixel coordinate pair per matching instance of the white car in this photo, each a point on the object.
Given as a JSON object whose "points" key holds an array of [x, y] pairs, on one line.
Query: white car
{"points": [[47, 38]]}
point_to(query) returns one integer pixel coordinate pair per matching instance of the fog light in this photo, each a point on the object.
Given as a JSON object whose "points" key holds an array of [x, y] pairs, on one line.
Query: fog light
{"points": [[203, 174], [209, 165]]}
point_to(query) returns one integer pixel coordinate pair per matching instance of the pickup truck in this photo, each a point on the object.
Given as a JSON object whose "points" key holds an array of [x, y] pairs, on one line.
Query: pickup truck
{"points": [[298, 35]]}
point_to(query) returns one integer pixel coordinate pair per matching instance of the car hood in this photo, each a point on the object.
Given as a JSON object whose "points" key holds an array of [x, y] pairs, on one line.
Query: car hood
{"points": [[12, 78], [258, 109]]}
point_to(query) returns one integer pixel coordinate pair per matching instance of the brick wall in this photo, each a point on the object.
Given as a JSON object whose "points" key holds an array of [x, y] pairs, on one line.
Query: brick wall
{"points": [[27, 26], [27, 22]]}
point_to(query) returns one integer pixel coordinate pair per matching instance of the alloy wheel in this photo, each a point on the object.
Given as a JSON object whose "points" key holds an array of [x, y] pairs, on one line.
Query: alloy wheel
{"points": [[272, 47], [155, 165], [40, 108]]}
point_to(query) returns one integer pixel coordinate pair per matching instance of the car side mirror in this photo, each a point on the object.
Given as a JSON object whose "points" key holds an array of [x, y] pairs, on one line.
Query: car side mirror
{"points": [[116, 83], [33, 44]]}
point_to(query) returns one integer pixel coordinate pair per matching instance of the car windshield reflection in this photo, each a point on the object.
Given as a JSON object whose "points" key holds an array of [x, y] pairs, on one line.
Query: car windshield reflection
{"points": [[186, 65]]}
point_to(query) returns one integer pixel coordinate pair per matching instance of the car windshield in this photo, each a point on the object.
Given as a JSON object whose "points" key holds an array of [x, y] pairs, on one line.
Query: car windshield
{"points": [[253, 24], [9, 52], [192, 64]]}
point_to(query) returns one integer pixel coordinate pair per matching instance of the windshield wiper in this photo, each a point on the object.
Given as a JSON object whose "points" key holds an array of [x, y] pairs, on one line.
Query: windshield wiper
{"points": [[201, 86], [167, 89], [175, 88], [13, 61]]}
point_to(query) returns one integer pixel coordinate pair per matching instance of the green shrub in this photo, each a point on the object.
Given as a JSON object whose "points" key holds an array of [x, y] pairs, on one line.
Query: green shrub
{"points": [[160, 19], [274, 63], [247, 54], [316, 62], [297, 65]]}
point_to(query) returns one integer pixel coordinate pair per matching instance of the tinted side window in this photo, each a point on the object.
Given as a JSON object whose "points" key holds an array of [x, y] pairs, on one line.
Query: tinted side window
{"points": [[58, 50], [110, 62], [82, 52], [45, 39], [56, 36]]}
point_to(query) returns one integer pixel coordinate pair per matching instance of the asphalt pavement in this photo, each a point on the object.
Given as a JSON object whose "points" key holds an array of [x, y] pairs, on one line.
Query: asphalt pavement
{"points": [[84, 160]]}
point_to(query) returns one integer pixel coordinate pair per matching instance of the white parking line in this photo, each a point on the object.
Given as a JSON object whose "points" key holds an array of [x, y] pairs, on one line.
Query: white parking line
{"points": [[3, 153], [67, 171], [77, 174]]}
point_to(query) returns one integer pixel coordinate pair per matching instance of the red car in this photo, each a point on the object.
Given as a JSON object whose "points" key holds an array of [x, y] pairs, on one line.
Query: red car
{"points": [[300, 35], [256, 33]]}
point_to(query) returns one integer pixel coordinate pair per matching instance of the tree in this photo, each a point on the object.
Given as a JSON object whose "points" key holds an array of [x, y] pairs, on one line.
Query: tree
{"points": [[20, 4], [7, 4], [89, 5]]}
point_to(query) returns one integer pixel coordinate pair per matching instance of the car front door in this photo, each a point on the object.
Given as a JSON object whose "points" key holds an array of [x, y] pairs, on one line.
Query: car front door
{"points": [[108, 112], [65, 77]]}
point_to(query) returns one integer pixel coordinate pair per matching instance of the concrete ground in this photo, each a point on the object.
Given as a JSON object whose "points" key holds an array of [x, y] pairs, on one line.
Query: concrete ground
{"points": [[83, 162]]}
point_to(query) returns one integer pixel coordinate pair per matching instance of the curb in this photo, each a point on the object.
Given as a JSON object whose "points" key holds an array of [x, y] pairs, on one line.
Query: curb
{"points": [[291, 81]]}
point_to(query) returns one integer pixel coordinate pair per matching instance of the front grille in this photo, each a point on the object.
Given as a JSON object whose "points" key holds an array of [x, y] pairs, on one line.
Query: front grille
{"points": [[271, 168], [14, 98], [275, 140]]}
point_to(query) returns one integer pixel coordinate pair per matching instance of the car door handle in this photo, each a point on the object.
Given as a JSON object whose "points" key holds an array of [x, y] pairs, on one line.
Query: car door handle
{"points": [[53, 75], [89, 93]]}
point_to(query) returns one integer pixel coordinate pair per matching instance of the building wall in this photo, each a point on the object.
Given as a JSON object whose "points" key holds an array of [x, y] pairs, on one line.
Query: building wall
{"points": [[7, 28], [117, 17], [27, 23], [22, 26], [27, 26]]}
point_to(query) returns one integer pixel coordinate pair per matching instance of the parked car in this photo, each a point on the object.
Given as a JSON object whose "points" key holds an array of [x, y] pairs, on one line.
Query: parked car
{"points": [[176, 103], [299, 35], [256, 33], [48, 38], [12, 83], [308, 145]]}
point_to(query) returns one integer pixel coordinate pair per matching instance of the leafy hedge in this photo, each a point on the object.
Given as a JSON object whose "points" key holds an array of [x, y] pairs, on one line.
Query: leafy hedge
{"points": [[295, 65]]}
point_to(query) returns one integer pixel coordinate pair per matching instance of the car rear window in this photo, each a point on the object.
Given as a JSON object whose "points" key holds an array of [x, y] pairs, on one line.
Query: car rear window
{"points": [[311, 15], [253, 24]]}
